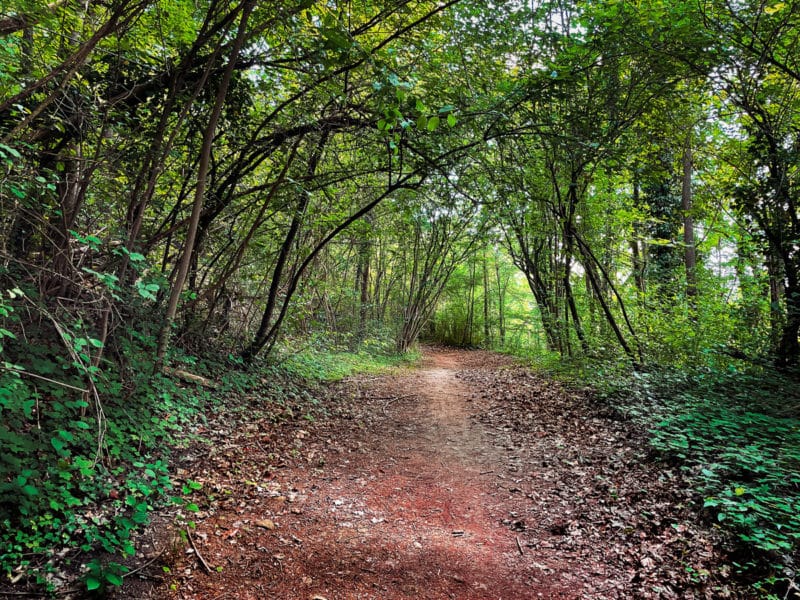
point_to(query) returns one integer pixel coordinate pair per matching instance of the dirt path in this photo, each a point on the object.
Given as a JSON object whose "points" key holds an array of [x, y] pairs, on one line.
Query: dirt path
{"points": [[466, 478]]}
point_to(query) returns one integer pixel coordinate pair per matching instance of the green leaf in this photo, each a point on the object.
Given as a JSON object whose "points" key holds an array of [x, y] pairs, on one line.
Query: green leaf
{"points": [[451, 120], [433, 123], [9, 150], [27, 407], [140, 516], [92, 583]]}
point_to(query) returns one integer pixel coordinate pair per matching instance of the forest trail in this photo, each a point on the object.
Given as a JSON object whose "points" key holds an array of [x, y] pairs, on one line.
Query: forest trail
{"points": [[466, 478]]}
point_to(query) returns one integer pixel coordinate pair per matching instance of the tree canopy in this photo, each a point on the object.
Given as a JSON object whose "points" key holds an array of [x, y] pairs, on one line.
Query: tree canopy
{"points": [[577, 180]]}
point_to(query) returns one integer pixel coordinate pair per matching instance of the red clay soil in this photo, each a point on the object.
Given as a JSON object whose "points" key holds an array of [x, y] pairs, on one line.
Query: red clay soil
{"points": [[466, 478]]}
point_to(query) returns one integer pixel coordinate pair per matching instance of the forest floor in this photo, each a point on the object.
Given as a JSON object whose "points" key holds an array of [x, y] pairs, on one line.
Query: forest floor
{"points": [[466, 477]]}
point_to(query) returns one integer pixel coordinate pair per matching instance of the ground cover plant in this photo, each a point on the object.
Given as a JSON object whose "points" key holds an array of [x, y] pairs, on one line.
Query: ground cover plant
{"points": [[203, 197], [734, 436]]}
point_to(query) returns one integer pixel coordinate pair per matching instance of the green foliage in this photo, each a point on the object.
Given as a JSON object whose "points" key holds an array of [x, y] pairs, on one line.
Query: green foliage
{"points": [[323, 362], [737, 435], [101, 576], [79, 474], [740, 436]]}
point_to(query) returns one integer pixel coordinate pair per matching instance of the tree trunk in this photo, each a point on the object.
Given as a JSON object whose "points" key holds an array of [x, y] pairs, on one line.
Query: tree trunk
{"points": [[362, 285], [267, 326], [569, 243], [590, 262], [527, 259], [573, 309], [468, 334], [501, 302], [637, 254], [789, 345], [776, 317], [689, 252], [487, 331], [202, 173]]}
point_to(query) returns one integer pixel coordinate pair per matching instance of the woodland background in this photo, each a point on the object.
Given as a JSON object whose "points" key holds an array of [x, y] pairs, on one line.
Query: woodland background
{"points": [[285, 190]]}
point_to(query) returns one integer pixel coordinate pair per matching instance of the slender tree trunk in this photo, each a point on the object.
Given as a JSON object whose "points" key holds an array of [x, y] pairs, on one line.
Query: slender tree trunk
{"points": [[789, 344], [266, 325], [689, 252], [501, 303], [528, 260], [468, 334], [637, 254], [363, 276], [362, 287], [592, 265], [776, 317], [569, 243], [573, 310], [218, 288], [607, 311], [202, 173], [409, 328], [487, 331]]}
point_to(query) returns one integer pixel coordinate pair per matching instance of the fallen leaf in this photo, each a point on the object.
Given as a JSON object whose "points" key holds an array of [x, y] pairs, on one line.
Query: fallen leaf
{"points": [[265, 524]]}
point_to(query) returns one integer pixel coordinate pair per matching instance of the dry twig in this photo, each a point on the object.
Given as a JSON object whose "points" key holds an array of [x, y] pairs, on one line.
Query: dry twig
{"points": [[202, 560]]}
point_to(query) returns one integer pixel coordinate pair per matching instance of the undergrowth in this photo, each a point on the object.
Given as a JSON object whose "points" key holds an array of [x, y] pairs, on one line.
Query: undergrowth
{"points": [[320, 361], [736, 435], [80, 472], [85, 452]]}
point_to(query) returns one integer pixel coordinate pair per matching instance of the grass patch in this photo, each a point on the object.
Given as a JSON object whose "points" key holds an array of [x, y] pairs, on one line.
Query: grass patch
{"points": [[319, 363]]}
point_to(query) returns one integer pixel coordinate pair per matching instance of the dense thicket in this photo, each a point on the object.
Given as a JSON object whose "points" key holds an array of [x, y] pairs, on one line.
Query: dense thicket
{"points": [[579, 179]]}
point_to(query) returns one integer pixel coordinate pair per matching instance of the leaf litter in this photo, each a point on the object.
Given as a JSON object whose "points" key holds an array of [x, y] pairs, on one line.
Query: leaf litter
{"points": [[470, 477]]}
